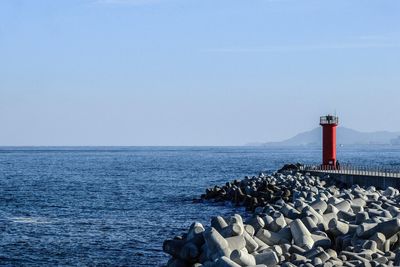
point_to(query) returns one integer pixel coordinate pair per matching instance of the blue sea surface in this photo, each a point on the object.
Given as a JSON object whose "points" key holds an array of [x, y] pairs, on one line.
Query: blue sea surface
{"points": [[114, 206]]}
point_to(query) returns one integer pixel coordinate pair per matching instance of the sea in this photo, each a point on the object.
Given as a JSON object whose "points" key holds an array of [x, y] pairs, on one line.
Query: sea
{"points": [[114, 206]]}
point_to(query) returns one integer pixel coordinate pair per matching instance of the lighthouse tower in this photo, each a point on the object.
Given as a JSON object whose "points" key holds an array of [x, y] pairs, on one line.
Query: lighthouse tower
{"points": [[329, 124]]}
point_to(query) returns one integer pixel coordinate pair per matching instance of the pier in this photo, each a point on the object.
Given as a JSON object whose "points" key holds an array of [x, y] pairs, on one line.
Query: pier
{"points": [[361, 175]]}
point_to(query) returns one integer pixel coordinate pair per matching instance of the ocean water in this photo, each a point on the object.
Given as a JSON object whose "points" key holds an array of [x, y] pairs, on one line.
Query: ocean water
{"points": [[114, 206]]}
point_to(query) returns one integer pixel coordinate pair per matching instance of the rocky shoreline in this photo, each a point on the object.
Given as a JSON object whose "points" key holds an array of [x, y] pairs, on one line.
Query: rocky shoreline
{"points": [[296, 220]]}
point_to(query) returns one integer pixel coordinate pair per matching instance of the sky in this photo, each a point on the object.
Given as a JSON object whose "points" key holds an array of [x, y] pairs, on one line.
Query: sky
{"points": [[194, 72]]}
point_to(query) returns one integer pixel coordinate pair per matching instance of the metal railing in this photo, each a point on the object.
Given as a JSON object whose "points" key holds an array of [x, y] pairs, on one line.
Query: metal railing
{"points": [[354, 170]]}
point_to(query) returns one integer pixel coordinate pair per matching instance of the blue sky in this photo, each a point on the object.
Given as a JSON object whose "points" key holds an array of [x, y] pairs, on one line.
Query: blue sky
{"points": [[194, 72]]}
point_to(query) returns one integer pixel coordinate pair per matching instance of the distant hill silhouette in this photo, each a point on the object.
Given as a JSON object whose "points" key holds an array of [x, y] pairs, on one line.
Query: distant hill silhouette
{"points": [[345, 136], [395, 141]]}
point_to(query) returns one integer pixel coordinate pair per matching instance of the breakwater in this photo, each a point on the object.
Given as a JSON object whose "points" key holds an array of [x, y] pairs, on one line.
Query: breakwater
{"points": [[297, 220]]}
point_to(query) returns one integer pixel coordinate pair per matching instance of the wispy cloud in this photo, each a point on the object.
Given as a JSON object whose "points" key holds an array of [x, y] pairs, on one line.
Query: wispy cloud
{"points": [[373, 37], [128, 2], [149, 2], [295, 48]]}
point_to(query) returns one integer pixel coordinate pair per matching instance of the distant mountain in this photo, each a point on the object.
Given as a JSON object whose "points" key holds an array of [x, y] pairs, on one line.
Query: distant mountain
{"points": [[395, 141], [345, 136]]}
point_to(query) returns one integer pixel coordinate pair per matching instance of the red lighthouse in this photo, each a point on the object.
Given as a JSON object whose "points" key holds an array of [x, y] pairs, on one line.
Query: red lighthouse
{"points": [[329, 124]]}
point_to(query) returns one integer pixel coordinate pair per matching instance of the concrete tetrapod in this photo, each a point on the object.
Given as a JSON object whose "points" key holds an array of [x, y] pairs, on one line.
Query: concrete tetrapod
{"points": [[297, 220], [301, 235], [388, 228]]}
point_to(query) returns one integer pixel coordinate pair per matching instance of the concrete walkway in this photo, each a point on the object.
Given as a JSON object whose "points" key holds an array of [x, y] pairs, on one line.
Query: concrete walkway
{"points": [[362, 176]]}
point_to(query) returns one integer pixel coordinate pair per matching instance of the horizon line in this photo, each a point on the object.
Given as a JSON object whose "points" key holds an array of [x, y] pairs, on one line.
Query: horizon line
{"points": [[132, 146]]}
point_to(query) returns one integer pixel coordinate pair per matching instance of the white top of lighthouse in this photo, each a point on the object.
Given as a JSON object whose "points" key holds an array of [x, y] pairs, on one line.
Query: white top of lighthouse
{"points": [[329, 120]]}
